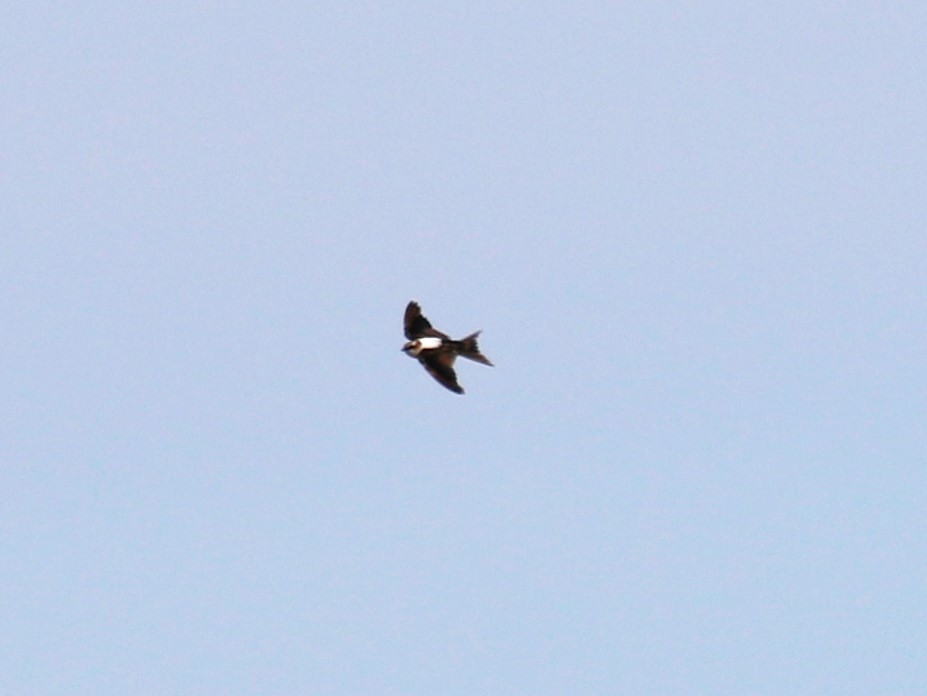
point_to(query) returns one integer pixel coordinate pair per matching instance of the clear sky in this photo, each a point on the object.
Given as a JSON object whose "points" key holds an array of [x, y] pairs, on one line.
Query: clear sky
{"points": [[693, 235]]}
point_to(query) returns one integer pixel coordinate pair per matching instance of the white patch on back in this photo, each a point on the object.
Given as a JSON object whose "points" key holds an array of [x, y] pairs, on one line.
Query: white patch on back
{"points": [[416, 347]]}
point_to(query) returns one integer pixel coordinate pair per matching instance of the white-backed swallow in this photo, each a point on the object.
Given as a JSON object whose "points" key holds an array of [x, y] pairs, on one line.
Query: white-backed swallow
{"points": [[437, 351]]}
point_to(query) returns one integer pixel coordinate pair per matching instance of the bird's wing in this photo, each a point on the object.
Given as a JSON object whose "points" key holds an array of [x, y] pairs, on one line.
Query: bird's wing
{"points": [[416, 325], [439, 367]]}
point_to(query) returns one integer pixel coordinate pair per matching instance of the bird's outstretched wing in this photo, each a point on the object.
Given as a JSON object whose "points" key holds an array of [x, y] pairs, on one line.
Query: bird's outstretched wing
{"points": [[440, 367], [416, 325]]}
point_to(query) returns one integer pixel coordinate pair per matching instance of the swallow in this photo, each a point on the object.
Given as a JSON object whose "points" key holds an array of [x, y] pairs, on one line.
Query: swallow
{"points": [[437, 351]]}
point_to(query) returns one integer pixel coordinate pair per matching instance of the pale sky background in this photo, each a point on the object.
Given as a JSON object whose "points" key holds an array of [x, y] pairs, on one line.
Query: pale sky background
{"points": [[692, 233]]}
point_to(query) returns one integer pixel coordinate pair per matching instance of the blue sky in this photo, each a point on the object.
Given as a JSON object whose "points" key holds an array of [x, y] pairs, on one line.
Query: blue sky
{"points": [[692, 234]]}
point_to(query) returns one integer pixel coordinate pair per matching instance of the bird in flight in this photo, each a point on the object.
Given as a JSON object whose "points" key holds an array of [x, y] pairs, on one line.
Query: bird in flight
{"points": [[437, 351]]}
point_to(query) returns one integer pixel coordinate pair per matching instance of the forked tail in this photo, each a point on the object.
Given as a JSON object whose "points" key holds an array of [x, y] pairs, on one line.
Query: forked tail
{"points": [[470, 349]]}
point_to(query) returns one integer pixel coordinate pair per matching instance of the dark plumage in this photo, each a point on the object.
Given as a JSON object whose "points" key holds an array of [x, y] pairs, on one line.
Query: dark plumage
{"points": [[437, 351]]}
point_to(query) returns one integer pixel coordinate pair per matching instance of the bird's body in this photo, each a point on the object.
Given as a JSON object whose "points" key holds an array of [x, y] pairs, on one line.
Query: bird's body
{"points": [[425, 343], [437, 351]]}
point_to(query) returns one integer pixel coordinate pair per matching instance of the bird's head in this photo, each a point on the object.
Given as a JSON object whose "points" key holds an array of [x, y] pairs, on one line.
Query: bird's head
{"points": [[412, 348]]}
